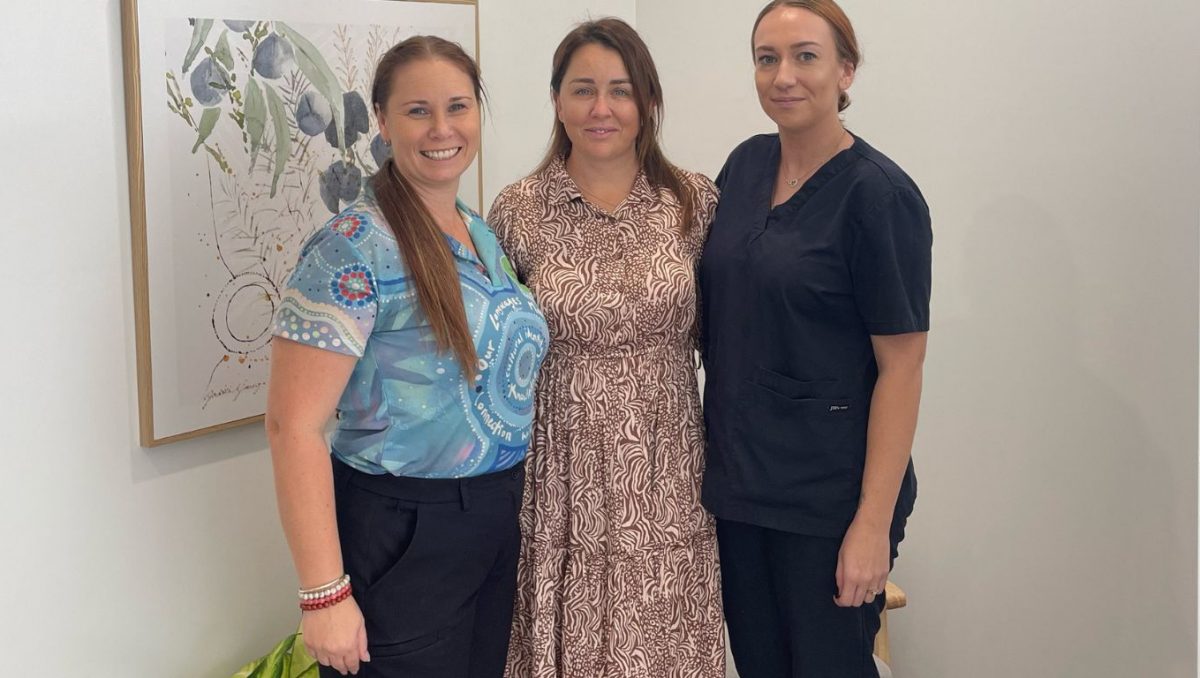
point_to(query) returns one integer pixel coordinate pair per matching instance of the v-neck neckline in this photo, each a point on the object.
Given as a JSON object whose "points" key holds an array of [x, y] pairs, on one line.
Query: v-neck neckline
{"points": [[809, 188]]}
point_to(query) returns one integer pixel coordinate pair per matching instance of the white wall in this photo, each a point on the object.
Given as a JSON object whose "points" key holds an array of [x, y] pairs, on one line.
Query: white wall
{"points": [[1059, 147], [518, 40], [118, 561]]}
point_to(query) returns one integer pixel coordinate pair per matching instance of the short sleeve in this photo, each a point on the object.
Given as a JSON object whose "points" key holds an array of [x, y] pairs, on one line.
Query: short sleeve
{"points": [[723, 174], [890, 262], [707, 195], [504, 222], [331, 300]]}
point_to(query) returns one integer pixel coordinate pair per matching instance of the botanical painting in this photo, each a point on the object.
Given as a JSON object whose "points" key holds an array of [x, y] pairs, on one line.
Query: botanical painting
{"points": [[268, 133]]}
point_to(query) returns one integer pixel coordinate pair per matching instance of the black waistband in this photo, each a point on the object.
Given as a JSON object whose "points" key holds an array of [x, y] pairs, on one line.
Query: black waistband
{"points": [[429, 490]]}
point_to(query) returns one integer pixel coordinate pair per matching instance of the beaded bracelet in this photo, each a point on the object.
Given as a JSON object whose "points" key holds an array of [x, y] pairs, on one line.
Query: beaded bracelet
{"points": [[325, 589], [326, 601]]}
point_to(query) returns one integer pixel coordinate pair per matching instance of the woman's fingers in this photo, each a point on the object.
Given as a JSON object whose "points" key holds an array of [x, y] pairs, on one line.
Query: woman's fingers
{"points": [[363, 654]]}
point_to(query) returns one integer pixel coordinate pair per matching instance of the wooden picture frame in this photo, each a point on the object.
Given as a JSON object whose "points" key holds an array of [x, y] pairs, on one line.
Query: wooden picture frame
{"points": [[218, 205]]}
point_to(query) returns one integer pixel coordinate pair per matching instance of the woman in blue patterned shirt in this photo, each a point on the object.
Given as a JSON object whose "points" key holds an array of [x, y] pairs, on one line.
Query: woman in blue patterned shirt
{"points": [[404, 315]]}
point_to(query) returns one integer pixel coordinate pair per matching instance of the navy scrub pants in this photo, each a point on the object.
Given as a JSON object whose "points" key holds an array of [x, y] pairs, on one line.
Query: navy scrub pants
{"points": [[434, 567], [778, 590]]}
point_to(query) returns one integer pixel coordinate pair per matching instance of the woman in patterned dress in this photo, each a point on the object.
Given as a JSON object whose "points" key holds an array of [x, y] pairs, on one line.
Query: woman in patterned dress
{"points": [[618, 575]]}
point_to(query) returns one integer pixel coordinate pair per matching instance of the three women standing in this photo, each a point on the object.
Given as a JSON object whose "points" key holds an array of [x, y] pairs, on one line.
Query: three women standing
{"points": [[618, 574], [403, 316], [815, 283]]}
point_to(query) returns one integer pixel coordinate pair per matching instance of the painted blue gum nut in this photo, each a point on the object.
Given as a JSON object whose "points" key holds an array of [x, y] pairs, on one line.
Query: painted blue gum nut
{"points": [[273, 57], [340, 182], [239, 26], [203, 74], [380, 151], [313, 113], [357, 120]]}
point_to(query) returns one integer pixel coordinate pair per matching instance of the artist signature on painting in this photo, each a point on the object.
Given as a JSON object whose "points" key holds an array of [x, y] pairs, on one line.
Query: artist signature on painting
{"points": [[236, 390]]}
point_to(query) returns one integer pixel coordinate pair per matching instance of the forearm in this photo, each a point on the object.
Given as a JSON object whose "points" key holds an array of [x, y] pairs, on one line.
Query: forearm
{"points": [[890, 431], [304, 491]]}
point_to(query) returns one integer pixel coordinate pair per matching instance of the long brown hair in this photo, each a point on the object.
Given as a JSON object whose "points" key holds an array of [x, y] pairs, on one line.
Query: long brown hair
{"points": [[426, 255], [620, 37], [843, 32]]}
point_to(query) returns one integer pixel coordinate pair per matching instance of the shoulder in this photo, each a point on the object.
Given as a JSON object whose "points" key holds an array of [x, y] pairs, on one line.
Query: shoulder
{"points": [[515, 211], [755, 148], [879, 181], [534, 188], [358, 236], [701, 185], [520, 196], [748, 160], [703, 194]]}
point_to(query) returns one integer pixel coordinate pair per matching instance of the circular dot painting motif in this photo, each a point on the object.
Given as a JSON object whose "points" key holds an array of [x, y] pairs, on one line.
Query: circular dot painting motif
{"points": [[353, 286]]}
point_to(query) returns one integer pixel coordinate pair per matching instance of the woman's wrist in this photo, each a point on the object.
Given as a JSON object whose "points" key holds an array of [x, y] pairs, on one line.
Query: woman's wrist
{"points": [[874, 517], [325, 595]]}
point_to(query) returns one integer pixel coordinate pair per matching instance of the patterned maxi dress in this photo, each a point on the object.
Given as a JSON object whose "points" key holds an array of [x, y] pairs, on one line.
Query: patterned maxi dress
{"points": [[618, 575]]}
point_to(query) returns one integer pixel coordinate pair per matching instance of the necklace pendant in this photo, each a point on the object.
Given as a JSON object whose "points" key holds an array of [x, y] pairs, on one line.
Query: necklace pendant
{"points": [[792, 183]]}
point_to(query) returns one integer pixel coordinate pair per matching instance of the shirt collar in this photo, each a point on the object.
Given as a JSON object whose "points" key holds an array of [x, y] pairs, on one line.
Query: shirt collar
{"points": [[563, 188]]}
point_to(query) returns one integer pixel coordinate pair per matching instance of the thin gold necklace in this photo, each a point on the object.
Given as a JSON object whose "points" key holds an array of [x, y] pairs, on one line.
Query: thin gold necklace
{"points": [[603, 204], [792, 183]]}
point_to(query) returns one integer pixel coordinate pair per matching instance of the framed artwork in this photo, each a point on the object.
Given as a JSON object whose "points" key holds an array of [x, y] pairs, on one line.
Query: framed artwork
{"points": [[249, 126]]}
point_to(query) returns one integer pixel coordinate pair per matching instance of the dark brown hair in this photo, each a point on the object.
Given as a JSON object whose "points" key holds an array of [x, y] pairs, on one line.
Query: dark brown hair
{"points": [[843, 31], [429, 261], [620, 37]]}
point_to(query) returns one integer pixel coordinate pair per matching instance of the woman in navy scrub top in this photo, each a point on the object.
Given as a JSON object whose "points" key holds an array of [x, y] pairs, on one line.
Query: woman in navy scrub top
{"points": [[815, 289]]}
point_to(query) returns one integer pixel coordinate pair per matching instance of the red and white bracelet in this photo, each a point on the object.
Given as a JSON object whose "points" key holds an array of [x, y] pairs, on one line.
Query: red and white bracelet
{"points": [[326, 595]]}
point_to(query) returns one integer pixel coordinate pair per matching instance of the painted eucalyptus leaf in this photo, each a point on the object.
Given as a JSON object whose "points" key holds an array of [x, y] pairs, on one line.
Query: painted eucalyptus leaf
{"points": [[208, 120], [199, 35], [222, 53], [283, 136], [256, 117]]}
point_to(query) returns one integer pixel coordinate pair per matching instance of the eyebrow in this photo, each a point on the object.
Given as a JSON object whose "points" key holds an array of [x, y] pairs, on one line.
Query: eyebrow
{"points": [[794, 45], [590, 81], [426, 103]]}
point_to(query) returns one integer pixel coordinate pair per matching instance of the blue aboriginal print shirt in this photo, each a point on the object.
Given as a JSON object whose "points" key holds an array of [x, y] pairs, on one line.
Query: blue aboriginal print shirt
{"points": [[408, 410]]}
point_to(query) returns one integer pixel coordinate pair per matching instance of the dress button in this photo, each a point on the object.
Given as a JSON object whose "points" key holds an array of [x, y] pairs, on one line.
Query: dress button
{"points": [[479, 389]]}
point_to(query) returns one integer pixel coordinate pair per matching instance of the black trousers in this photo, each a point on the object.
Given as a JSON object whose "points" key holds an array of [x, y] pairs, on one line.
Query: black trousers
{"points": [[778, 589], [434, 569]]}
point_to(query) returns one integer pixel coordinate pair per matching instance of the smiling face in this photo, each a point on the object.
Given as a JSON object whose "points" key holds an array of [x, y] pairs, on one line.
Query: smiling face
{"points": [[596, 106], [431, 119], [797, 70]]}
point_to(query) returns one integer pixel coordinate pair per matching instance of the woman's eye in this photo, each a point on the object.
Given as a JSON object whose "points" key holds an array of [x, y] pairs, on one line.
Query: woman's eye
{"points": [[583, 92], [766, 60], [621, 92], [418, 111], [806, 56], [457, 106]]}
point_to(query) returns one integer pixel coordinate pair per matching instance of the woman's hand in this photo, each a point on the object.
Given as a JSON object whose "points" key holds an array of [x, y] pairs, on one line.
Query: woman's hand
{"points": [[865, 557], [863, 564], [336, 637]]}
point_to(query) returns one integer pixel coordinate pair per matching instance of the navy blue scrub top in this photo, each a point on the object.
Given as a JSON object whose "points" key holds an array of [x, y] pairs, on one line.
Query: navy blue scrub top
{"points": [[790, 298]]}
